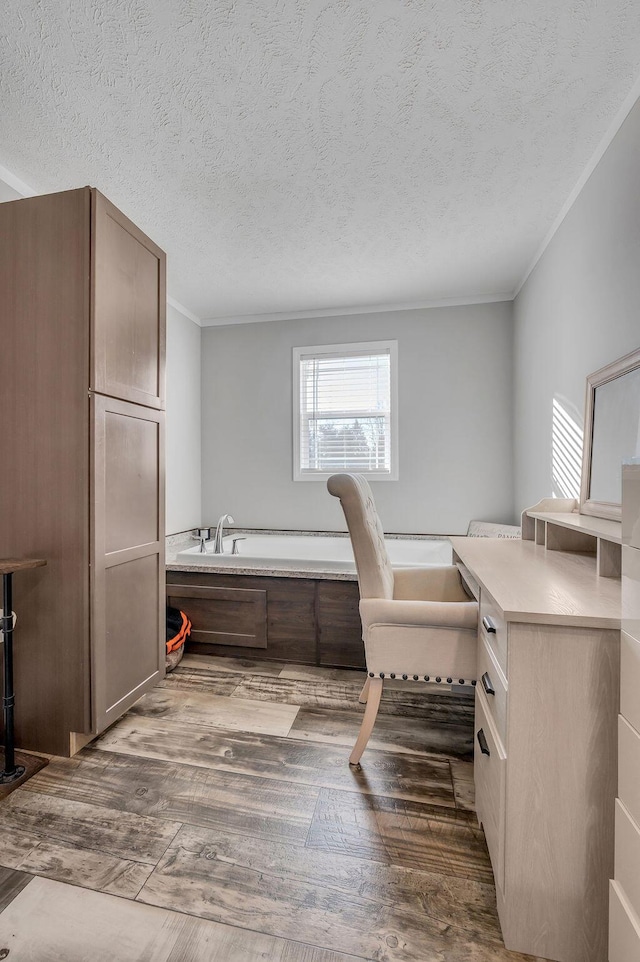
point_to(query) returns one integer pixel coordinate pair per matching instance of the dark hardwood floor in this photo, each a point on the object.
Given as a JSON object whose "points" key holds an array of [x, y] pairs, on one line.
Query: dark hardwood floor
{"points": [[219, 821]]}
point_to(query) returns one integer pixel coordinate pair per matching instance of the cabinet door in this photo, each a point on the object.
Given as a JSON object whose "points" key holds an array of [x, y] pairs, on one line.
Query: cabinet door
{"points": [[128, 308], [223, 616], [128, 608]]}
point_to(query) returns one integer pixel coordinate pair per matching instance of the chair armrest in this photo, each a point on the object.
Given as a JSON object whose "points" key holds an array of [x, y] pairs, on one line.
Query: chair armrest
{"points": [[428, 584], [421, 614]]}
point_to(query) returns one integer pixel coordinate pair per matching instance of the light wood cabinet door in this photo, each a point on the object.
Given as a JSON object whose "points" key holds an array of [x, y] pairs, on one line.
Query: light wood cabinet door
{"points": [[128, 308], [127, 552]]}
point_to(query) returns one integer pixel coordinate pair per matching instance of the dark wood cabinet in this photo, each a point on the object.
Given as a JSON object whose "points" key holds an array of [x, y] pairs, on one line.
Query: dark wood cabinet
{"points": [[339, 627], [223, 615], [82, 319], [303, 620]]}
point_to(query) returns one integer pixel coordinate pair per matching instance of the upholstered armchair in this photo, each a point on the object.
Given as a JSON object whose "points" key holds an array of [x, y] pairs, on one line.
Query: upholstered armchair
{"points": [[418, 624]]}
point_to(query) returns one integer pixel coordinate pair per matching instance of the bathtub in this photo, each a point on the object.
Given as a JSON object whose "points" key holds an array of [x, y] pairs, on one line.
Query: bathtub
{"points": [[314, 552]]}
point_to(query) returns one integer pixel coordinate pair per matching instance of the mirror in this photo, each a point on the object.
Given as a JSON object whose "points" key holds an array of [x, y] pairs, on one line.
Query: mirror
{"points": [[612, 434]]}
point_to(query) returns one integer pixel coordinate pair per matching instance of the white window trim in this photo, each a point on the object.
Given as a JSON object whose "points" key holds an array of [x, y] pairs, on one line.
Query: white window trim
{"points": [[343, 349]]}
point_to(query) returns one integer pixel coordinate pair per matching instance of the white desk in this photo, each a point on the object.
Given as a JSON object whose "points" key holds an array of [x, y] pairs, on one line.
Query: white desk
{"points": [[545, 793]]}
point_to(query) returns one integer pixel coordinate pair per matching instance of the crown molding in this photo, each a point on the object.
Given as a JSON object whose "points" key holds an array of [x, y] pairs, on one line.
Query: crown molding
{"points": [[16, 184], [359, 309], [24, 190], [184, 310], [622, 114]]}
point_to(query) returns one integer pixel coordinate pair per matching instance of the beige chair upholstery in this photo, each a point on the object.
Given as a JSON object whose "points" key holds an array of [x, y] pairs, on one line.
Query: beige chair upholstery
{"points": [[418, 624]]}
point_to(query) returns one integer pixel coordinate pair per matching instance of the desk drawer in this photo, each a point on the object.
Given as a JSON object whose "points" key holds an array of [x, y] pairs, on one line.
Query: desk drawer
{"points": [[627, 871], [628, 768], [493, 628], [491, 679], [624, 928], [489, 774]]}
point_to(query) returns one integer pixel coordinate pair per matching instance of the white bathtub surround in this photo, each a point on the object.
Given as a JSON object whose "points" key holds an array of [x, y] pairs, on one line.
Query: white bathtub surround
{"points": [[300, 554], [314, 552]]}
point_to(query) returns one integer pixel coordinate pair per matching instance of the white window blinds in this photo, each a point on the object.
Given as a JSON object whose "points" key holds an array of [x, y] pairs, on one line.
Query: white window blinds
{"points": [[345, 421]]}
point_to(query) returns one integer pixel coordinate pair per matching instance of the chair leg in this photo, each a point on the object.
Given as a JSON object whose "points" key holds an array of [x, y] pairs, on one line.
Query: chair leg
{"points": [[370, 715], [364, 694]]}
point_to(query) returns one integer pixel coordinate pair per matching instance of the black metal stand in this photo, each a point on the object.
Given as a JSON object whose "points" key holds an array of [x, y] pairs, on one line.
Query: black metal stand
{"points": [[11, 770]]}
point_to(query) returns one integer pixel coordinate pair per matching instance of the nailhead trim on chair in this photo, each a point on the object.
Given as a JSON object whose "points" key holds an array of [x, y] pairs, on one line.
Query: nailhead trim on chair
{"points": [[438, 679]]}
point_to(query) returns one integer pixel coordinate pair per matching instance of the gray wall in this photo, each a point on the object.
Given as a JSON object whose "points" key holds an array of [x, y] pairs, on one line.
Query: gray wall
{"points": [[183, 423], [455, 391], [579, 309]]}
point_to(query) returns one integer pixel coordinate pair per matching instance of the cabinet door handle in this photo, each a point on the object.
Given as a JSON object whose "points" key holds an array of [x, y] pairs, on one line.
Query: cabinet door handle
{"points": [[489, 624], [482, 742], [486, 684]]}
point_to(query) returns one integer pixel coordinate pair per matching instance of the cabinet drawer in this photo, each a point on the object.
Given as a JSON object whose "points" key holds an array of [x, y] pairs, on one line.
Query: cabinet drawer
{"points": [[494, 686], [628, 768], [627, 872], [624, 928], [630, 679], [489, 775], [493, 628]]}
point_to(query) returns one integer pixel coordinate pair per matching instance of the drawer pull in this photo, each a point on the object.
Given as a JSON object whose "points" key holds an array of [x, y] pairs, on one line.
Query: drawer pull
{"points": [[482, 742], [489, 624], [486, 684]]}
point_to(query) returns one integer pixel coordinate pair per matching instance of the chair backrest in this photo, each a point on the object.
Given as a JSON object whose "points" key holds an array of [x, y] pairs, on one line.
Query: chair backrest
{"points": [[375, 574]]}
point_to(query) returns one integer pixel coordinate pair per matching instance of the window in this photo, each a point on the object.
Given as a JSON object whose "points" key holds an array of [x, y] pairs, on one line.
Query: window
{"points": [[345, 410]]}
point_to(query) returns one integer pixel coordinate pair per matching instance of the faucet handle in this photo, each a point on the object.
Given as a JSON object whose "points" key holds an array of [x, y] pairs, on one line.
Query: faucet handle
{"points": [[234, 549], [203, 535]]}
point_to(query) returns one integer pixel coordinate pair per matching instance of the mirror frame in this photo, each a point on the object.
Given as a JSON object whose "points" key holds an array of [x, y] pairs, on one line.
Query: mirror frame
{"points": [[624, 365]]}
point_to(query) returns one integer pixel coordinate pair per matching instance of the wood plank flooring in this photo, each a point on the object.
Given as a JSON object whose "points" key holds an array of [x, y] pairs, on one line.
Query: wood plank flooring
{"points": [[11, 884], [29, 761], [76, 925], [219, 820]]}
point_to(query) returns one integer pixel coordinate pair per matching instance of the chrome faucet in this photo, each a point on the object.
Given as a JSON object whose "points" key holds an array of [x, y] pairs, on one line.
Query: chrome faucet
{"points": [[218, 547]]}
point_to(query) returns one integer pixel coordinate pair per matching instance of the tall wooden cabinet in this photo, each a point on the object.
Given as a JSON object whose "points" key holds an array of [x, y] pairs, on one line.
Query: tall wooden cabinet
{"points": [[82, 343]]}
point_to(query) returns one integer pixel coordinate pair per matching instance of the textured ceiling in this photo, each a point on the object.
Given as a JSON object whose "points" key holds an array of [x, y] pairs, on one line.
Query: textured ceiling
{"points": [[296, 155]]}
